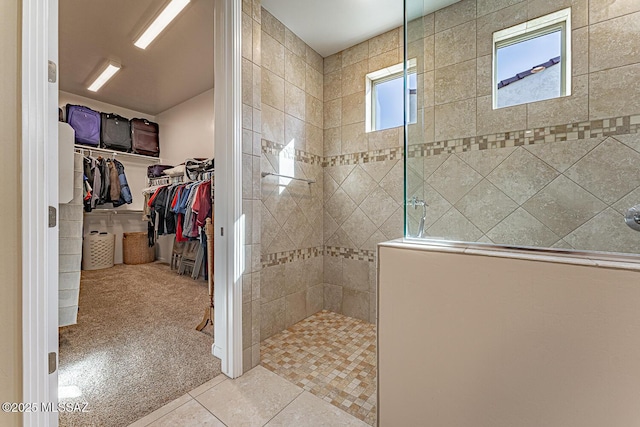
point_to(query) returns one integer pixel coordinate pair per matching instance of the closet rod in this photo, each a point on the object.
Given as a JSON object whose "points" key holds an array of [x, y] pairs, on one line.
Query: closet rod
{"points": [[308, 181], [83, 149]]}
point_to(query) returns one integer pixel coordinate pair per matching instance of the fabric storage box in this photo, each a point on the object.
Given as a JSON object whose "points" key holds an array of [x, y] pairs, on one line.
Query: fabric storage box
{"points": [[98, 250], [136, 250]]}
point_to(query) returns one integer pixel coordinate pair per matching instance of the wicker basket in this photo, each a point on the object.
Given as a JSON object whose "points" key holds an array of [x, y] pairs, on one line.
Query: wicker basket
{"points": [[136, 250], [98, 251]]}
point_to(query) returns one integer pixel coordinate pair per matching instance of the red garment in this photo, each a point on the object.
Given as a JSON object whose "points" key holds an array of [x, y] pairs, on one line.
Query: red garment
{"points": [[179, 236], [152, 198], [202, 205]]}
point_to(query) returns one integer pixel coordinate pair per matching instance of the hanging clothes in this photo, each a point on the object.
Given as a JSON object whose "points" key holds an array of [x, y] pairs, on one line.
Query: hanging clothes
{"points": [[107, 182]]}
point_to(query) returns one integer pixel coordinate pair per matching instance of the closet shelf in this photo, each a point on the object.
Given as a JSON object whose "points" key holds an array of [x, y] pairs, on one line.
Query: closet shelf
{"points": [[85, 149], [115, 211]]}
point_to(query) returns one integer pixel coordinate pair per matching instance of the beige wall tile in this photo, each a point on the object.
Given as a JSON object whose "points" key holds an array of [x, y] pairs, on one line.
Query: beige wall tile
{"points": [[426, 96], [455, 82], [567, 109], [332, 142], [314, 139], [247, 117], [355, 274], [355, 54], [486, 7], [455, 120], [294, 101], [257, 86], [354, 138], [314, 83], [247, 36], [272, 55], [495, 21], [333, 63], [313, 112], [272, 26], [384, 43], [272, 90], [580, 51], [507, 119], [429, 53], [256, 10], [333, 113], [247, 82], [314, 59], [484, 75], [601, 10], [455, 45], [333, 85], [272, 318], [415, 30], [385, 60], [356, 304], [294, 130], [454, 15], [381, 139], [353, 109], [295, 308], [315, 299], [614, 92], [579, 10], [257, 43], [294, 43], [273, 124], [614, 43], [294, 69], [353, 77], [333, 298]]}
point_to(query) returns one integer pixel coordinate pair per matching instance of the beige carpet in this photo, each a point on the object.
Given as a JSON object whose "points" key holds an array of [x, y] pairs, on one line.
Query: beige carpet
{"points": [[135, 346]]}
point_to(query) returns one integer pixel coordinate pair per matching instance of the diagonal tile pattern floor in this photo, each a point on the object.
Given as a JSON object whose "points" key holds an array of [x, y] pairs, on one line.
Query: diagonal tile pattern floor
{"points": [[259, 398], [331, 356]]}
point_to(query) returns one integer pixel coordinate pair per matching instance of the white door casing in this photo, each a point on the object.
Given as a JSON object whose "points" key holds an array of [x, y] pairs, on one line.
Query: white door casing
{"points": [[39, 192], [228, 218]]}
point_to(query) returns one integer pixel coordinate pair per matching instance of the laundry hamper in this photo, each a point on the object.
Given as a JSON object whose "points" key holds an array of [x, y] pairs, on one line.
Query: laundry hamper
{"points": [[98, 250], [136, 250]]}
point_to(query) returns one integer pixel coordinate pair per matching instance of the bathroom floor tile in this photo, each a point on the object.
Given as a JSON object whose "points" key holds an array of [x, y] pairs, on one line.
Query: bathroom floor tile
{"points": [[191, 414], [311, 411], [251, 400], [331, 356]]}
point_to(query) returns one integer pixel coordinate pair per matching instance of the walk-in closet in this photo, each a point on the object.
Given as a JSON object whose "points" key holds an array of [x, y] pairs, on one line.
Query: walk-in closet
{"points": [[137, 186]]}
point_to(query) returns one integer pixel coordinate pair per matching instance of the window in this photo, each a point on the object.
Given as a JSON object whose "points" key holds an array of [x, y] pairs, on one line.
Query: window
{"points": [[532, 61], [385, 97]]}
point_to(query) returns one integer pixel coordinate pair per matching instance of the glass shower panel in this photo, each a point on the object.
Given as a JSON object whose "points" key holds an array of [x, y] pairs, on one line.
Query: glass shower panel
{"points": [[554, 174]]}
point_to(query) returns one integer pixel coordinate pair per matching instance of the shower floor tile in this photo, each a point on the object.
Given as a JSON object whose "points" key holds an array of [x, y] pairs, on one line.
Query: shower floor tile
{"points": [[333, 357]]}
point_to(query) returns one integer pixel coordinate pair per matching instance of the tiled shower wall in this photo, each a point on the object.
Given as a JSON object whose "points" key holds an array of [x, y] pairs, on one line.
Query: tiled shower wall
{"points": [[292, 241], [251, 191], [553, 173], [363, 177]]}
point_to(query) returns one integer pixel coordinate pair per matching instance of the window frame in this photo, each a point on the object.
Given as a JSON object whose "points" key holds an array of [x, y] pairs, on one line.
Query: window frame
{"points": [[544, 25], [378, 77]]}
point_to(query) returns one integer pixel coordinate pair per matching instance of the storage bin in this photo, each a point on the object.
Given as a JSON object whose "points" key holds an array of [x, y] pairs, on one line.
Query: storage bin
{"points": [[136, 250], [98, 250]]}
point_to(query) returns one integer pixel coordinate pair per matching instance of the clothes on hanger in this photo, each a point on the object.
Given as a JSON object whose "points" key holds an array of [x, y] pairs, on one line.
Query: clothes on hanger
{"points": [[107, 183], [180, 209]]}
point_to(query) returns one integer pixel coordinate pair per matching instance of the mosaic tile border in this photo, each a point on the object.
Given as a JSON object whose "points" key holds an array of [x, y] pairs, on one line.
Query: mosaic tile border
{"points": [[569, 132], [270, 147], [279, 258], [348, 253]]}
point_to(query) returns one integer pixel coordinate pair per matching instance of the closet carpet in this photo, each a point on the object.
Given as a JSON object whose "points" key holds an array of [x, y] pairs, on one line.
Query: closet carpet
{"points": [[135, 347]]}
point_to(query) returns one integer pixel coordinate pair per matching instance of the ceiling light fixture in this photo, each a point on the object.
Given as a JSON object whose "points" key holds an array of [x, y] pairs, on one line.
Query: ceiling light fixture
{"points": [[160, 23], [106, 74]]}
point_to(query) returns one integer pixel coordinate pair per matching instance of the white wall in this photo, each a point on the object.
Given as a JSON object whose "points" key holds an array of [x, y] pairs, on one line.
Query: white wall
{"points": [[472, 340], [186, 130]]}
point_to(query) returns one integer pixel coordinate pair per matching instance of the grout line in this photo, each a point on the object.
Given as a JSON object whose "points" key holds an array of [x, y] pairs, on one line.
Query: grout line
{"points": [[288, 404], [207, 409]]}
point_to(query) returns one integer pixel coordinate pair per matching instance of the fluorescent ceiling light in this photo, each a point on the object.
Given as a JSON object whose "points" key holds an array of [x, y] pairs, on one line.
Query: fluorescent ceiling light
{"points": [[105, 75], [160, 23]]}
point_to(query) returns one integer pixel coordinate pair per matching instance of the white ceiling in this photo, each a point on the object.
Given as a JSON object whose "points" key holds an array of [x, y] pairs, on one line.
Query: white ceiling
{"points": [[329, 26], [177, 66]]}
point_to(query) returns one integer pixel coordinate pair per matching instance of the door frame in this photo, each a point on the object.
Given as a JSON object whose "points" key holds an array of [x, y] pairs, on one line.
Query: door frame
{"points": [[39, 184]]}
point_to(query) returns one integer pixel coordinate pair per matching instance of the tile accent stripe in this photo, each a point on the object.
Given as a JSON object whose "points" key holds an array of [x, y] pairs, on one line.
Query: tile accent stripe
{"points": [[270, 147], [575, 131], [348, 253], [279, 258]]}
